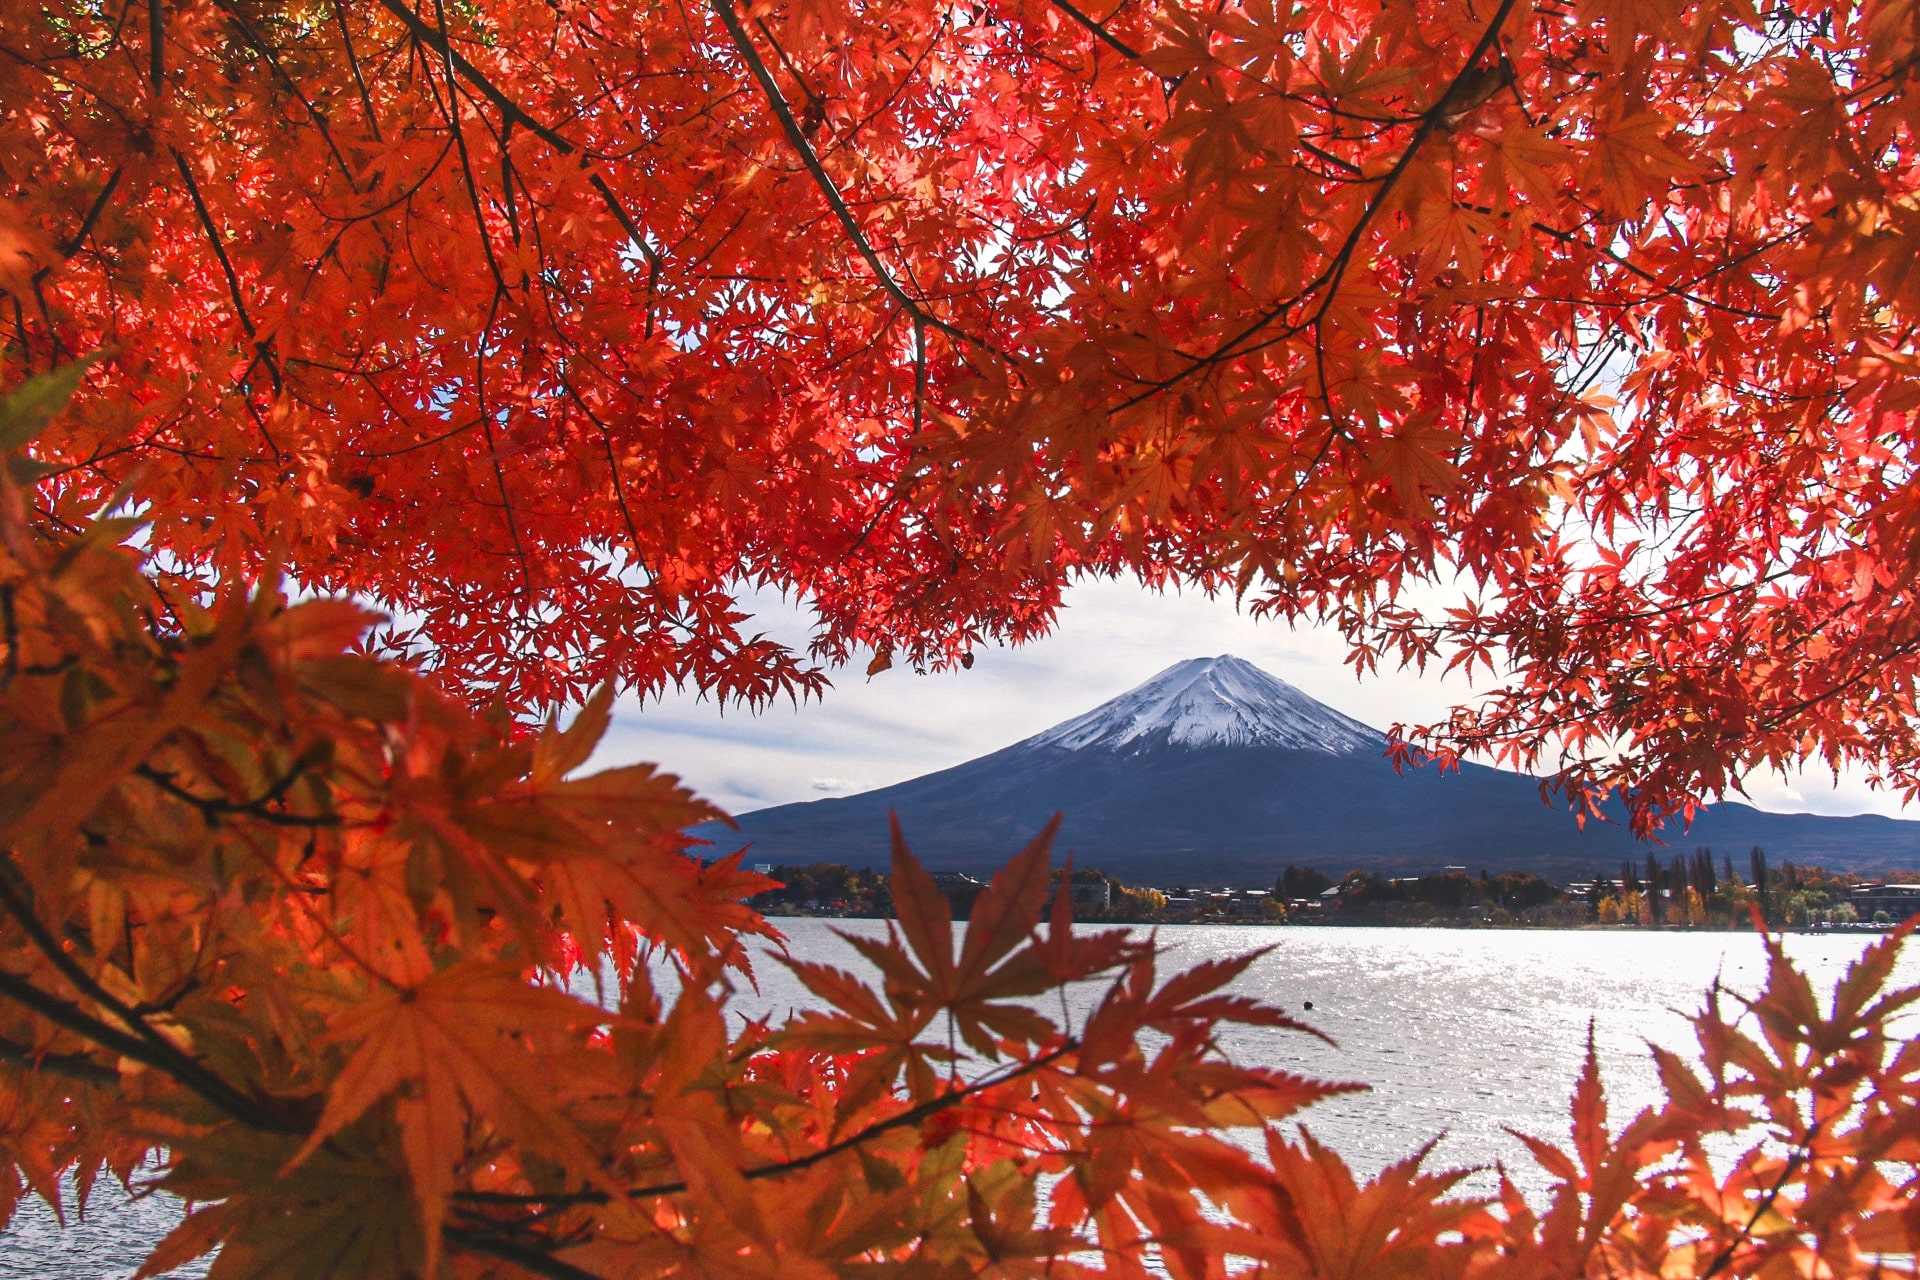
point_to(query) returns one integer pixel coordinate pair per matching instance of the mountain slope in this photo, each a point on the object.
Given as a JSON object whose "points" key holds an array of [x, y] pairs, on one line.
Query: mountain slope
{"points": [[1214, 771]]}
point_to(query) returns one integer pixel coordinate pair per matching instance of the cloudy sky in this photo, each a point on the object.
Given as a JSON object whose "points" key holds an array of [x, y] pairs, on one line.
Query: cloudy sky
{"points": [[1112, 635]]}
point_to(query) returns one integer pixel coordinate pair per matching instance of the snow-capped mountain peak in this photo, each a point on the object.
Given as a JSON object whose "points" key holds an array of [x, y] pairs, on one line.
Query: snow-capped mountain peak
{"points": [[1214, 702]]}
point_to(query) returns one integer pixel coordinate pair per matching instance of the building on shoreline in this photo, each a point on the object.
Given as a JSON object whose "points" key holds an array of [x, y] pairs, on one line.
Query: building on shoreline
{"points": [[1897, 901]]}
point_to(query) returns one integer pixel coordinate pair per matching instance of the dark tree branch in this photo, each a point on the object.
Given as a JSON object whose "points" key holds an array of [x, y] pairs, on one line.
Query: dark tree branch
{"points": [[353, 62], [142, 1042], [9, 635], [1458, 96], [268, 55], [212, 808], [632, 229], [219, 249], [98, 207], [1099, 30], [156, 45], [452, 110], [532, 1257], [439, 42], [667, 610], [797, 138], [73, 1066], [191, 1076], [262, 351], [64, 1014], [427, 34], [1795, 1159], [911, 1116], [1662, 289]]}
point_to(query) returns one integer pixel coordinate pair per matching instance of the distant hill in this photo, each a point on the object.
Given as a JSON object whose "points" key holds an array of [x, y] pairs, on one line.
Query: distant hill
{"points": [[1215, 772]]}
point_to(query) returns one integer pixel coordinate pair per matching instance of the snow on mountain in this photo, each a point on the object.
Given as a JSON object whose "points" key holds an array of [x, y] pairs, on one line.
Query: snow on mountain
{"points": [[1213, 702], [1214, 772]]}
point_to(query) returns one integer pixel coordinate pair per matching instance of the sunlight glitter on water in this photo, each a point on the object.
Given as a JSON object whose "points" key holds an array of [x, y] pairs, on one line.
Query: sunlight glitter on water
{"points": [[1458, 1032]]}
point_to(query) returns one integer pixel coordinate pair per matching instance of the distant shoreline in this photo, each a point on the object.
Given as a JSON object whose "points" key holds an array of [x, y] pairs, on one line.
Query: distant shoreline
{"points": [[1686, 895], [1853, 930]]}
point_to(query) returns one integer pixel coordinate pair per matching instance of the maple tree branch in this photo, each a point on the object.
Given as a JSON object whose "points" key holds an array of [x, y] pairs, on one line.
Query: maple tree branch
{"points": [[797, 138], [1329, 158], [166, 1059], [626, 511], [816, 105], [9, 636], [212, 808], [1780, 715], [1453, 629], [1799, 1156], [632, 229], [65, 1014], [353, 63], [142, 1043], [533, 1257], [99, 206], [1662, 288], [473, 198], [74, 1066], [911, 1116], [1327, 283], [442, 43], [903, 484], [213, 238], [262, 351], [506, 504], [267, 55], [1098, 29], [486, 416], [156, 45]]}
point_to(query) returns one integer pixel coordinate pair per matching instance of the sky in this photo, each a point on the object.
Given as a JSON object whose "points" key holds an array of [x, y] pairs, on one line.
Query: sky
{"points": [[1111, 636]]}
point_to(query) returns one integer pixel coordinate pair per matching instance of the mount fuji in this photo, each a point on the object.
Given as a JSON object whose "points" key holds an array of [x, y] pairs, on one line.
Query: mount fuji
{"points": [[1216, 772]]}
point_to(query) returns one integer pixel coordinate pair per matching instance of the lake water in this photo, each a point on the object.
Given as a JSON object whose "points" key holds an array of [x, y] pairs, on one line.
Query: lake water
{"points": [[1458, 1032]]}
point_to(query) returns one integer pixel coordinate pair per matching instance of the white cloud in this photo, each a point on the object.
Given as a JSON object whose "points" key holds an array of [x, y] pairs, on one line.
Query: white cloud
{"points": [[1111, 636]]}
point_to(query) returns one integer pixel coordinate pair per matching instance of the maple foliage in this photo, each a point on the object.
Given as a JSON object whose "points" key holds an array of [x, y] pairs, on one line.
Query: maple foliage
{"points": [[295, 925], [270, 912], [553, 327]]}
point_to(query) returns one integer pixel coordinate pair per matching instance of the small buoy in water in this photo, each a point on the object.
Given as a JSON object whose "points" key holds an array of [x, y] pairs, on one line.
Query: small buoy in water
{"points": [[1309, 1004]]}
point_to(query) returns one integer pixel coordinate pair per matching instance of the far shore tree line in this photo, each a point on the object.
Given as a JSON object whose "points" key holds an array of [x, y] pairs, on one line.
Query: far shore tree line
{"points": [[1696, 891], [1692, 892]]}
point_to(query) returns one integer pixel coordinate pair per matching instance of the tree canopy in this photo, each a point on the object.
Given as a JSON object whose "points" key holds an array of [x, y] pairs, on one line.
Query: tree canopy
{"points": [[552, 328]]}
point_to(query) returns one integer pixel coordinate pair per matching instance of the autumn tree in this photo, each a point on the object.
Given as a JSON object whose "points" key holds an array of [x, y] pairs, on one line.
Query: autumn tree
{"points": [[548, 329], [550, 326]]}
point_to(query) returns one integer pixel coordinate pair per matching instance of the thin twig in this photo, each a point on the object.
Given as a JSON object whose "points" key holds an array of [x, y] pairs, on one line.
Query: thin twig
{"points": [[911, 1116], [797, 138], [442, 44], [213, 808], [1799, 1156], [1327, 282], [353, 62]]}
